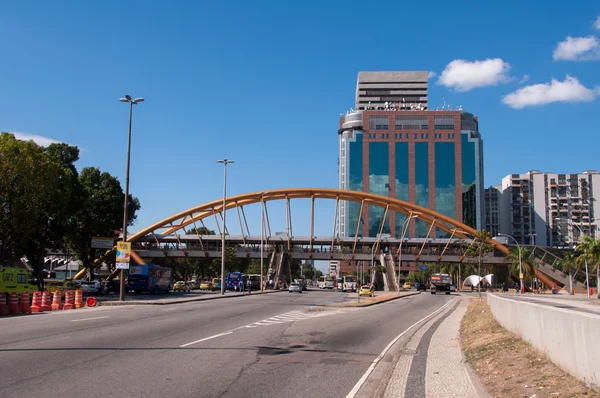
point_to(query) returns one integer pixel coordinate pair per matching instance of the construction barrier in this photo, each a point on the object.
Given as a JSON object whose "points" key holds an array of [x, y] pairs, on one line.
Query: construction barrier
{"points": [[91, 301], [36, 304], [78, 299], [56, 301], [68, 300], [25, 308], [46, 306], [3, 305], [13, 304]]}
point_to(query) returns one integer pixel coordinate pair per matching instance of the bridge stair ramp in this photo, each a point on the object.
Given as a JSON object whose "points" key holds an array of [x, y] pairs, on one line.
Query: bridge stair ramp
{"points": [[387, 260], [546, 263], [278, 267]]}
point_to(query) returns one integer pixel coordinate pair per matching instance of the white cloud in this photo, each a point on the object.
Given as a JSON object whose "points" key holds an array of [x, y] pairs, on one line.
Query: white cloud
{"points": [[431, 75], [597, 23], [569, 90], [577, 49], [524, 79], [464, 75], [38, 139]]}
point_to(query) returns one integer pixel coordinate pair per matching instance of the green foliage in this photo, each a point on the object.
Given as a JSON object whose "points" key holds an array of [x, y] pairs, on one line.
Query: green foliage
{"points": [[590, 251], [200, 231]]}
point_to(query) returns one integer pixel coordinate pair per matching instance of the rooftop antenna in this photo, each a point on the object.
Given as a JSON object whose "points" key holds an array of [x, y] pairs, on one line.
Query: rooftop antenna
{"points": [[460, 108], [444, 107]]}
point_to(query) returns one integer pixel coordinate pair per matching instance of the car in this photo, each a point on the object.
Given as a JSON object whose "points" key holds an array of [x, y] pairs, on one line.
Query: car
{"points": [[366, 290], [452, 288], [406, 285], [63, 286], [207, 285], [216, 282], [422, 287], [191, 285], [112, 286], [181, 286], [295, 287], [93, 287]]}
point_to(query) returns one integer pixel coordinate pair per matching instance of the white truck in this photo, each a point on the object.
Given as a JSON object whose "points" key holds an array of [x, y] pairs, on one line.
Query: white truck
{"points": [[440, 283], [349, 283]]}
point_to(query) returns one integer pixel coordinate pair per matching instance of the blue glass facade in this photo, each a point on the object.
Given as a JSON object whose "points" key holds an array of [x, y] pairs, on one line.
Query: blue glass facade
{"points": [[401, 181], [421, 182], [445, 180], [469, 181], [355, 179], [379, 183]]}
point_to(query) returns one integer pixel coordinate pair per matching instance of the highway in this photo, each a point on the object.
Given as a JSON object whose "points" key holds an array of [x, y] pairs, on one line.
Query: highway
{"points": [[269, 345]]}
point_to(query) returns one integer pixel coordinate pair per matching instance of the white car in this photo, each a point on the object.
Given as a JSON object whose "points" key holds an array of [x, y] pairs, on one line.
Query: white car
{"points": [[295, 287], [91, 287]]}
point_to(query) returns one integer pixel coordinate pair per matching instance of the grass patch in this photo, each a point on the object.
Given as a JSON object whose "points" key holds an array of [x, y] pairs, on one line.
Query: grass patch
{"points": [[508, 366]]}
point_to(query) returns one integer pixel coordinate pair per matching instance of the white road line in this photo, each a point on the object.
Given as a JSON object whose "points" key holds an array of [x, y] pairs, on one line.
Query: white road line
{"points": [[206, 338], [364, 377], [270, 321], [89, 319]]}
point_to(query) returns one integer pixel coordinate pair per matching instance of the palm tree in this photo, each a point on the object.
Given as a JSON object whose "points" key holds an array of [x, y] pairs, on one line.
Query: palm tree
{"points": [[590, 249], [568, 260]]}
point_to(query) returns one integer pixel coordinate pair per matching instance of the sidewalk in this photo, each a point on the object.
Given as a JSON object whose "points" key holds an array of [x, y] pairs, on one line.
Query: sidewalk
{"points": [[432, 362]]}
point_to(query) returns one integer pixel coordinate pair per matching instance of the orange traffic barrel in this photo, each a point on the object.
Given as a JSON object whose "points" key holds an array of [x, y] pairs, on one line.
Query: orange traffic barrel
{"points": [[78, 299], [25, 309], [68, 300], [56, 301], [36, 303], [3, 305], [13, 304], [46, 306], [91, 301]]}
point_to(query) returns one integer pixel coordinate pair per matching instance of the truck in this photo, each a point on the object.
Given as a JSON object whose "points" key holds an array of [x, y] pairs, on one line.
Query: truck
{"points": [[441, 283]]}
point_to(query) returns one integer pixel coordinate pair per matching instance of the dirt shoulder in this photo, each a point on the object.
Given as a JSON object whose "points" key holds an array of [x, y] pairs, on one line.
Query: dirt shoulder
{"points": [[508, 366]]}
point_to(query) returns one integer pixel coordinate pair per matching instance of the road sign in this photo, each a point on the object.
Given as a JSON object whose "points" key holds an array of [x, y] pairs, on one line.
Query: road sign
{"points": [[423, 268], [123, 252], [102, 243], [122, 265]]}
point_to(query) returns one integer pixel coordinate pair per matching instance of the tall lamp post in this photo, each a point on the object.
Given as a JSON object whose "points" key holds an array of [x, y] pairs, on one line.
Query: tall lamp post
{"points": [[404, 229], [520, 260], [262, 239], [132, 102], [225, 163]]}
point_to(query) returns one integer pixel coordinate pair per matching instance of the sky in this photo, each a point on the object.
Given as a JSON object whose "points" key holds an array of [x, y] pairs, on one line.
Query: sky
{"points": [[264, 83]]}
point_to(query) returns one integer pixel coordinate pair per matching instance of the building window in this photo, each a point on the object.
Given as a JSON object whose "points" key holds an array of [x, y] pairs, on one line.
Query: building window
{"points": [[411, 122], [396, 136], [406, 135], [378, 123], [415, 136], [443, 122], [387, 135], [382, 135]]}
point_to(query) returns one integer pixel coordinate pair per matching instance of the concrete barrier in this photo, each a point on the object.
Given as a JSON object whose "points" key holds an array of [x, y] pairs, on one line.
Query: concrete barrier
{"points": [[571, 339]]}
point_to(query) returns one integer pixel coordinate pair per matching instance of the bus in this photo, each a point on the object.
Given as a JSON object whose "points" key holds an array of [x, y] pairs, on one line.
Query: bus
{"points": [[234, 281], [326, 282], [150, 278], [349, 283], [255, 278], [17, 280]]}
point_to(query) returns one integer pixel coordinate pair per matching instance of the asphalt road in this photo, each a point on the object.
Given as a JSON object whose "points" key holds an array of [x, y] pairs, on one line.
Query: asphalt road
{"points": [[269, 345]]}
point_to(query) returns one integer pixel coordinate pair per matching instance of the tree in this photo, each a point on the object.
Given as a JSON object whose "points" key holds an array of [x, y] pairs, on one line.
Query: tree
{"points": [[100, 214], [515, 266], [567, 262], [200, 231], [590, 249], [478, 249]]}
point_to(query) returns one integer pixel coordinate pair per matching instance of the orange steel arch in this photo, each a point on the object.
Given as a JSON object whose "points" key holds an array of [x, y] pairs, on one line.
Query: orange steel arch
{"points": [[188, 217]]}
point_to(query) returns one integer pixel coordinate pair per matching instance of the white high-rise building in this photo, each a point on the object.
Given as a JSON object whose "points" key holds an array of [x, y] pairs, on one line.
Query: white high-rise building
{"points": [[550, 209]]}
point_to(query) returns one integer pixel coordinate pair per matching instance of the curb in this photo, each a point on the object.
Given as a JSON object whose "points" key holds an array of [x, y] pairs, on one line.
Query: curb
{"points": [[180, 301], [391, 298]]}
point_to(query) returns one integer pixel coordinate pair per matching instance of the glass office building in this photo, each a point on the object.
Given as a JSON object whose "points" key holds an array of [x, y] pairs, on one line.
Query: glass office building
{"points": [[428, 157]]}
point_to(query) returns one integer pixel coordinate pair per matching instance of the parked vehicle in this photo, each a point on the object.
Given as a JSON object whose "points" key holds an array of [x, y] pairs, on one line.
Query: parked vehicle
{"points": [[93, 287], [112, 286], [406, 285], [150, 278], [295, 287], [366, 290], [348, 283], [440, 283], [206, 285], [63, 286], [422, 287], [14, 279], [234, 281], [216, 282], [181, 286]]}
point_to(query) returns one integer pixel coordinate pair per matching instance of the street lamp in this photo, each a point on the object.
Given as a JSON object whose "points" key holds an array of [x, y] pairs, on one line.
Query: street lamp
{"points": [[225, 163], [262, 239], [131, 102], [404, 229], [520, 260]]}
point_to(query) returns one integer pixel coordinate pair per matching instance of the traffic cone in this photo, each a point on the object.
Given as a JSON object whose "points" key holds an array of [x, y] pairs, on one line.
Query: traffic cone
{"points": [[46, 306], [68, 300], [25, 308], [78, 299], [13, 304], [56, 301], [36, 304], [3, 305]]}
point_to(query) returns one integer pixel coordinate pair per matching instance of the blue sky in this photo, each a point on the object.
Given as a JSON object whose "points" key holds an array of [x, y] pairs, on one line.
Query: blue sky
{"points": [[264, 83]]}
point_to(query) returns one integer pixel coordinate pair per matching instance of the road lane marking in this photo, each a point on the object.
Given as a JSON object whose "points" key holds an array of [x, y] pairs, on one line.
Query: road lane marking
{"points": [[206, 338], [364, 377], [89, 319]]}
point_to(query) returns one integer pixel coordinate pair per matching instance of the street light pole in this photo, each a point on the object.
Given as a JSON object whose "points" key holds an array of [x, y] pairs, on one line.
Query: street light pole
{"points": [[131, 102], [520, 261], [404, 229], [225, 163], [262, 239]]}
